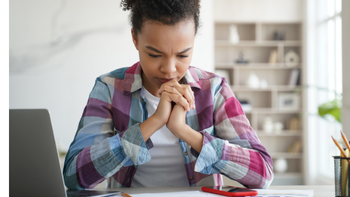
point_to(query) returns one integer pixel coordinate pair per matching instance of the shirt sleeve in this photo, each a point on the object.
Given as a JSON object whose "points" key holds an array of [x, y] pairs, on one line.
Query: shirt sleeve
{"points": [[235, 151], [98, 151]]}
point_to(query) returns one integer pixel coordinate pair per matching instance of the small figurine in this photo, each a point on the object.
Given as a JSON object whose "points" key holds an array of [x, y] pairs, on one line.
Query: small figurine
{"points": [[241, 59]]}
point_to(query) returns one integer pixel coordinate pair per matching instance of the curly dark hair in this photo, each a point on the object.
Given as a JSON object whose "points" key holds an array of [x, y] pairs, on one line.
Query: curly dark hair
{"points": [[168, 12]]}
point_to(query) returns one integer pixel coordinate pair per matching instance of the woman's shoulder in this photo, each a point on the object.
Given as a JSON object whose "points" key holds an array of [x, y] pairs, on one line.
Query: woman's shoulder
{"points": [[120, 73], [201, 74]]}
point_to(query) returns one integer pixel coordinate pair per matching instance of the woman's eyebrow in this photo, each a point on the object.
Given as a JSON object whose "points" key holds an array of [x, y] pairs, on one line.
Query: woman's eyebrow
{"points": [[184, 51], [156, 50], [153, 49]]}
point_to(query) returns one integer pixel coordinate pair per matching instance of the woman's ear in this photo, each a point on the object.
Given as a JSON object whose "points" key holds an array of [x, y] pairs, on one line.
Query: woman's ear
{"points": [[134, 38]]}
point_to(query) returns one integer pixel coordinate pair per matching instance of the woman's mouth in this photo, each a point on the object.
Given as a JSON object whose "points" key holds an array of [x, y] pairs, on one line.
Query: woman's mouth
{"points": [[164, 80]]}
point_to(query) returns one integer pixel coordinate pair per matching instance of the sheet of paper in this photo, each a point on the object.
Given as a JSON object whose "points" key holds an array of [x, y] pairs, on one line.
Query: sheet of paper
{"points": [[261, 193], [285, 193], [178, 194]]}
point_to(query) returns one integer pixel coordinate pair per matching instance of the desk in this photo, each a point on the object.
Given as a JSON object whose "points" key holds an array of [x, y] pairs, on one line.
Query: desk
{"points": [[319, 190]]}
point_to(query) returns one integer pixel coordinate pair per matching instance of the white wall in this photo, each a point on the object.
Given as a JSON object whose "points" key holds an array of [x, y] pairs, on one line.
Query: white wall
{"points": [[58, 48]]}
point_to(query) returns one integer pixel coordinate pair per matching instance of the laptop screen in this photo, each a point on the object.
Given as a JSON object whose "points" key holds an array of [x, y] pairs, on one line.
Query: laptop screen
{"points": [[34, 163]]}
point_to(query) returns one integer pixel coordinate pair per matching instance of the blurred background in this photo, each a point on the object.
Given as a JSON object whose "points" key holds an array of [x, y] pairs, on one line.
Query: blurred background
{"points": [[284, 59]]}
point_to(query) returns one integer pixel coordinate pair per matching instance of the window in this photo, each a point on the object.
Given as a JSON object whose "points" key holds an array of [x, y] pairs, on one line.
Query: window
{"points": [[325, 86]]}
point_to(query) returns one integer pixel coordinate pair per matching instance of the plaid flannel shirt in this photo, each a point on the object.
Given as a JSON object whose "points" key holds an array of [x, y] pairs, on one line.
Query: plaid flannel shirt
{"points": [[109, 143]]}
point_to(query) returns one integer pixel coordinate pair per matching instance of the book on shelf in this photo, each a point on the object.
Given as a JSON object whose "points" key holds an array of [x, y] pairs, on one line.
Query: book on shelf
{"points": [[293, 123], [295, 147], [294, 78]]}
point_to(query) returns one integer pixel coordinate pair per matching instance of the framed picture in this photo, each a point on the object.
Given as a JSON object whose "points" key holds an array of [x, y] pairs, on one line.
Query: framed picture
{"points": [[288, 101]]}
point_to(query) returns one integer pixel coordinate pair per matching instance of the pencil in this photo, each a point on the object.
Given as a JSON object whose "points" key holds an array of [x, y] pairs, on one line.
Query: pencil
{"points": [[345, 140], [341, 150], [125, 194]]}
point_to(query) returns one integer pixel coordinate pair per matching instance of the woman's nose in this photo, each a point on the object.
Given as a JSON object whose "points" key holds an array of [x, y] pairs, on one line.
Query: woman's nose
{"points": [[168, 66]]}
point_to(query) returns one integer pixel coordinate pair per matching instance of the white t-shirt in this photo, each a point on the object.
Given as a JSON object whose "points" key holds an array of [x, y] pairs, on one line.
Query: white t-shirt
{"points": [[167, 165]]}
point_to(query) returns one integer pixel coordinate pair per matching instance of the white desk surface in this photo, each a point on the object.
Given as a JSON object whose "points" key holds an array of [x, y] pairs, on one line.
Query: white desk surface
{"points": [[319, 190]]}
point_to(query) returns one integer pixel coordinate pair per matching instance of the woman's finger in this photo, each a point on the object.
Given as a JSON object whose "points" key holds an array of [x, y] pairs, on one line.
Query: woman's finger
{"points": [[187, 93], [191, 93], [176, 97], [172, 83], [183, 89]]}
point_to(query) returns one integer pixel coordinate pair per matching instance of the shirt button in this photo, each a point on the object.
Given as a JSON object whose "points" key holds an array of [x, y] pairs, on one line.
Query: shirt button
{"points": [[185, 154], [191, 177]]}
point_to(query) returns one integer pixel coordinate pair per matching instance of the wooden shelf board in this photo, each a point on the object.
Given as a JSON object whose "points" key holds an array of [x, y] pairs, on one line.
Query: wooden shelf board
{"points": [[253, 43], [228, 22], [273, 111], [254, 66], [286, 155], [282, 175], [276, 111], [254, 22], [283, 133], [270, 88]]}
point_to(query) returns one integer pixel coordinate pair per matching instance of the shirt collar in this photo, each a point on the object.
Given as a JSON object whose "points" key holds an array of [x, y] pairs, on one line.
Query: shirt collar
{"points": [[133, 80]]}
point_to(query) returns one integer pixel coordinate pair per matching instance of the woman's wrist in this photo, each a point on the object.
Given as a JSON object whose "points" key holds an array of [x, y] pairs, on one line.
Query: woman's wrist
{"points": [[191, 137], [149, 126]]}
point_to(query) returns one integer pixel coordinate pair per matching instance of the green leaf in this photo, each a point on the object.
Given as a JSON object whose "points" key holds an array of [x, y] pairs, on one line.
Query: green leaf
{"points": [[332, 108]]}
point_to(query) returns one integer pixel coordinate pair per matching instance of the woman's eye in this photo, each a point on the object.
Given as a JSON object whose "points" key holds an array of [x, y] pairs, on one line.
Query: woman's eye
{"points": [[154, 55], [182, 56]]}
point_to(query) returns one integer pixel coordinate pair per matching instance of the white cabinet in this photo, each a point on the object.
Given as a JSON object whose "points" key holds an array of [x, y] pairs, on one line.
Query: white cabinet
{"points": [[263, 68]]}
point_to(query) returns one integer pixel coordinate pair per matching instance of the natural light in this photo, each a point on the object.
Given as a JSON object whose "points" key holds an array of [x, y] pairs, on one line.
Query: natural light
{"points": [[329, 82]]}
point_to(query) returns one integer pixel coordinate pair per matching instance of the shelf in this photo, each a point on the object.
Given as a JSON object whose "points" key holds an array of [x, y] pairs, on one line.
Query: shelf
{"points": [[283, 133], [281, 175], [260, 43], [286, 155], [226, 43], [255, 66], [271, 88], [273, 111]]}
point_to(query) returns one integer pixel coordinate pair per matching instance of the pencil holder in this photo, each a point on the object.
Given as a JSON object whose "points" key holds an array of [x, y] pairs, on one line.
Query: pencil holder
{"points": [[341, 176]]}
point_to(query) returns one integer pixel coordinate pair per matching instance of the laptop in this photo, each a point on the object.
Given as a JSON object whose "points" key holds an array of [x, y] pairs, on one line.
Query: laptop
{"points": [[34, 162]]}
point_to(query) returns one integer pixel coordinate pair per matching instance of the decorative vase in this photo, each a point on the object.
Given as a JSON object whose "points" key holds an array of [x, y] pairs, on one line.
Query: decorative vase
{"points": [[280, 165], [268, 125], [253, 80], [273, 59], [291, 58], [278, 126], [234, 37]]}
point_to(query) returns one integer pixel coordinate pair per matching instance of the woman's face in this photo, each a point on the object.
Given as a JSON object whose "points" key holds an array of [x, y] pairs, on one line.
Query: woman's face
{"points": [[165, 52]]}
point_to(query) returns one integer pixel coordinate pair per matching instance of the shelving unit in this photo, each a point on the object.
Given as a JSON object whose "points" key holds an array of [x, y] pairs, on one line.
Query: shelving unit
{"points": [[256, 42]]}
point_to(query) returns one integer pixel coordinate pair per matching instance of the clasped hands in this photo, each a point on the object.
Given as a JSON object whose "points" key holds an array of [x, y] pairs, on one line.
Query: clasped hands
{"points": [[174, 118]]}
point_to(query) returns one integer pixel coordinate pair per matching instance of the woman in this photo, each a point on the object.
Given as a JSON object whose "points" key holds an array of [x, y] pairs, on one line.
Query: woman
{"points": [[162, 122]]}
